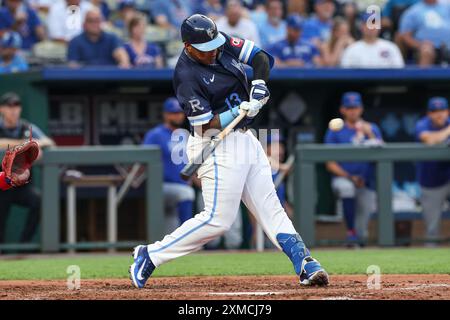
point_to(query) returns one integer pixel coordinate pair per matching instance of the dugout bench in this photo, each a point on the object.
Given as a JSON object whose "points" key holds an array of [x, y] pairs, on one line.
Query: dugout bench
{"points": [[305, 191]]}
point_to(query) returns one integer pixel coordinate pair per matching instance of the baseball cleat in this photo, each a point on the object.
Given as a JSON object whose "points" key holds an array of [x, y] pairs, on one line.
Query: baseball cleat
{"points": [[142, 268], [312, 273]]}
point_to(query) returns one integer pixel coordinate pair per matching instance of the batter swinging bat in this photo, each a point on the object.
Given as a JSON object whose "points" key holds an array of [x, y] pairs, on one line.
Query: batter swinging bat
{"points": [[191, 168]]}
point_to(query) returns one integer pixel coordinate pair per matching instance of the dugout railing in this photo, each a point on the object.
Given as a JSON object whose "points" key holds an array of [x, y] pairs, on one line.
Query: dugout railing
{"points": [[53, 163], [384, 157]]}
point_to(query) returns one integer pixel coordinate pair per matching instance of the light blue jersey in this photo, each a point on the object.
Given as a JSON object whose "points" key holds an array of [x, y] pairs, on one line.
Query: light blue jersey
{"points": [[428, 22]]}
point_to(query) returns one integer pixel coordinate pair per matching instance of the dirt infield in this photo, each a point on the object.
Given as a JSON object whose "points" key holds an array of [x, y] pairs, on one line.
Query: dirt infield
{"points": [[243, 287]]}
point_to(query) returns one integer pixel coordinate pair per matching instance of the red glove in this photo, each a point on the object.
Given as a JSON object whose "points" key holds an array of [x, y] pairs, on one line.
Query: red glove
{"points": [[4, 185], [18, 161]]}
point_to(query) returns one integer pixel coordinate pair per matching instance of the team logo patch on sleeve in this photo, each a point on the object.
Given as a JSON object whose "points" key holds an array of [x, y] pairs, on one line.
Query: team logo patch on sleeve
{"points": [[236, 42]]}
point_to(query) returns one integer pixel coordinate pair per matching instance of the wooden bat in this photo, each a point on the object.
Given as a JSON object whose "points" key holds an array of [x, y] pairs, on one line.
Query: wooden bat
{"points": [[191, 168]]}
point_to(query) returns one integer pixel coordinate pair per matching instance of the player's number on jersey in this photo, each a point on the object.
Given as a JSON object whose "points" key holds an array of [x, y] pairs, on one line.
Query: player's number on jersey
{"points": [[233, 101]]}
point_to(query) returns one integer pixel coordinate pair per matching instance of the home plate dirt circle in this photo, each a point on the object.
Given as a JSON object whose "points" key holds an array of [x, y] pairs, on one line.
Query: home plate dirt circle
{"points": [[234, 288]]}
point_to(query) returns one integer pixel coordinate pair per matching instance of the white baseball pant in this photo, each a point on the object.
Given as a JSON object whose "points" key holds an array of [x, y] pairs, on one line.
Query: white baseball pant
{"points": [[237, 169]]}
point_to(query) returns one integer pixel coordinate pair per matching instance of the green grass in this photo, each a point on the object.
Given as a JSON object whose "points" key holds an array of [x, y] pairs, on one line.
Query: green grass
{"points": [[397, 261]]}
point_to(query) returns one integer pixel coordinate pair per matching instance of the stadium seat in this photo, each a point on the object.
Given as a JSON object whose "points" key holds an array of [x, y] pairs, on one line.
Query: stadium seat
{"points": [[157, 34]]}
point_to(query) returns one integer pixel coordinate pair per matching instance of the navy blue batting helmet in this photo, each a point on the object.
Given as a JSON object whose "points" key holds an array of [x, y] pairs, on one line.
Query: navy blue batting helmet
{"points": [[201, 32]]}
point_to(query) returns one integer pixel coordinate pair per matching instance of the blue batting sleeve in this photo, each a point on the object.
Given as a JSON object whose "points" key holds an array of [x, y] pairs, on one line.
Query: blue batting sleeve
{"points": [[228, 116]]}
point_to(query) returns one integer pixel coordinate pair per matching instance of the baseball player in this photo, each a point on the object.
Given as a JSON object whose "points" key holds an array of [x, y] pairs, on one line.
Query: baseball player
{"points": [[434, 176], [211, 85], [353, 182], [179, 196]]}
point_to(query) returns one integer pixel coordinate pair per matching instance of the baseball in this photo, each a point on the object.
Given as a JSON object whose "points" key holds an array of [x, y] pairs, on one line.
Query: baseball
{"points": [[336, 124]]}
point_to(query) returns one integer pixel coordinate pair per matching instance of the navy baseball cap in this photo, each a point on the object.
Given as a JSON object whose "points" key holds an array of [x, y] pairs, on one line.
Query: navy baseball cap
{"points": [[437, 103], [295, 21], [351, 100], [11, 39], [172, 105], [126, 4], [201, 32], [9, 99]]}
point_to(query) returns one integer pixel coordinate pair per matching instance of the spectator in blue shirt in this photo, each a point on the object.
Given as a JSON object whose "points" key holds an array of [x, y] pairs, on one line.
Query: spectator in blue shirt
{"points": [[96, 47], [127, 10], [17, 16], [425, 29], [142, 53], [293, 51], [169, 14], [272, 28], [178, 194], [353, 182], [392, 11], [318, 28], [10, 60], [434, 176], [210, 8]]}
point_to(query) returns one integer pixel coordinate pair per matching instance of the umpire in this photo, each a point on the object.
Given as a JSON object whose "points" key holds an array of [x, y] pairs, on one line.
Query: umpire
{"points": [[13, 131]]}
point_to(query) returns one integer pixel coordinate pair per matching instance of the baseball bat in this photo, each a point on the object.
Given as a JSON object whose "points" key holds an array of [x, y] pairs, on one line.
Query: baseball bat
{"points": [[191, 168]]}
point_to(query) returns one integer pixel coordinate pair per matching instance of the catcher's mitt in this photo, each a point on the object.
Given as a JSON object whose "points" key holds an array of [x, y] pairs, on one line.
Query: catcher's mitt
{"points": [[18, 161]]}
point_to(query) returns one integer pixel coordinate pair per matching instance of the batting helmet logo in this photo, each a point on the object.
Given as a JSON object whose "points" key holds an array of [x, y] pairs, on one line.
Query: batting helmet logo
{"points": [[210, 33]]}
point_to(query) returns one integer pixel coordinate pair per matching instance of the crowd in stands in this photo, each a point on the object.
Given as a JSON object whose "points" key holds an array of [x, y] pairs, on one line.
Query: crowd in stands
{"points": [[299, 33]]}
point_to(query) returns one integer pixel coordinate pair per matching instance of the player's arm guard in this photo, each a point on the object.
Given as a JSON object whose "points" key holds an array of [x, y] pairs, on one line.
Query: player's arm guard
{"points": [[18, 161], [4, 185], [227, 116], [261, 66], [261, 70]]}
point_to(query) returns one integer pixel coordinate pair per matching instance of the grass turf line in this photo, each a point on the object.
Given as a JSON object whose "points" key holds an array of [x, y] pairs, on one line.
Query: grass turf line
{"points": [[391, 261]]}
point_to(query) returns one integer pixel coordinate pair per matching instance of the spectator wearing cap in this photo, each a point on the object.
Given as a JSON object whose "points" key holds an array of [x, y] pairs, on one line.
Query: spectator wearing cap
{"points": [[272, 28], [95, 46], [60, 14], [341, 38], [353, 182], [170, 14], [293, 51], [127, 11], [10, 60], [372, 51], [425, 29], [13, 131], [434, 176], [142, 53], [236, 25], [318, 28], [19, 17], [178, 194], [210, 8]]}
